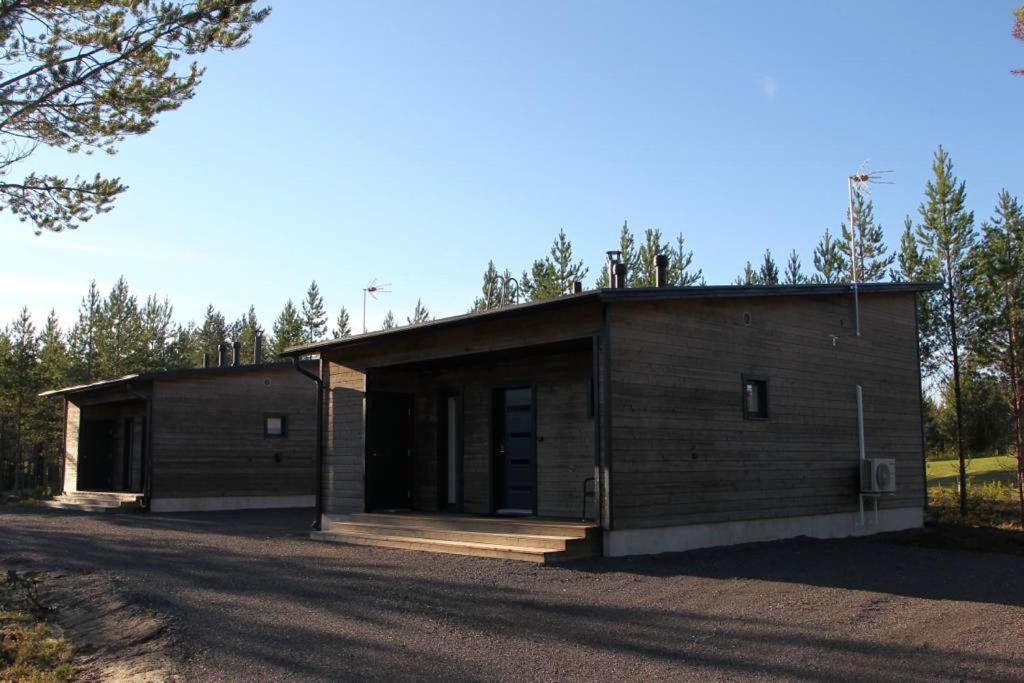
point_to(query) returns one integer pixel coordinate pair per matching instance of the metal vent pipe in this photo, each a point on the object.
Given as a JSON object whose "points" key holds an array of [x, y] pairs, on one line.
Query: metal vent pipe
{"points": [[236, 353], [621, 271], [660, 266], [222, 355]]}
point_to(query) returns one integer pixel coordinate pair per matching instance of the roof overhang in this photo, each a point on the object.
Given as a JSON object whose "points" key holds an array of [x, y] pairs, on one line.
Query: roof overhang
{"points": [[615, 295], [182, 373]]}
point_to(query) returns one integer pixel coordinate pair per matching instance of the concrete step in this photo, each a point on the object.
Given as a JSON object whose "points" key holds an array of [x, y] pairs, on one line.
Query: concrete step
{"points": [[505, 538], [502, 525], [521, 553]]}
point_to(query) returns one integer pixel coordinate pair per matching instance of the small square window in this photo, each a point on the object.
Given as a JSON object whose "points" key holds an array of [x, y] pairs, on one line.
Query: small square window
{"points": [[755, 399], [275, 425]]}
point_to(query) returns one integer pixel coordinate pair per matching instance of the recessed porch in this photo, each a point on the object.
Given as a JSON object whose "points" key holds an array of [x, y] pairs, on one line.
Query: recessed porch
{"points": [[504, 433]]}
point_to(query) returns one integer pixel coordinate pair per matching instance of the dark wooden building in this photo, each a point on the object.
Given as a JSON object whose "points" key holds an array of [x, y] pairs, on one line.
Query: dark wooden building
{"points": [[218, 438], [634, 420]]}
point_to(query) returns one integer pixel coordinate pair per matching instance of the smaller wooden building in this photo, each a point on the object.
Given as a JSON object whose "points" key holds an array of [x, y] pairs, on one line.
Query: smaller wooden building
{"points": [[216, 438]]}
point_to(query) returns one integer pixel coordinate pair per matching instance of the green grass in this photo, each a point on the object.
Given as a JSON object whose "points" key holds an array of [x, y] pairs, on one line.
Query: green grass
{"points": [[999, 469], [31, 649]]}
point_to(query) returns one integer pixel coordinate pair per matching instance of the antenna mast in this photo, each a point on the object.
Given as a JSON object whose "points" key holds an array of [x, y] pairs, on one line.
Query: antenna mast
{"points": [[860, 183], [373, 289]]}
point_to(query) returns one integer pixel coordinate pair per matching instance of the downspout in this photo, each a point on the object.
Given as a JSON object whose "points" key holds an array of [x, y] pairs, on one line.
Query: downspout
{"points": [[607, 518], [595, 397], [147, 467], [319, 379]]}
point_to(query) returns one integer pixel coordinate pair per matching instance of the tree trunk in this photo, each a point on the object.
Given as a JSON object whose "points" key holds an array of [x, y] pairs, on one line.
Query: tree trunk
{"points": [[955, 351], [1015, 402]]}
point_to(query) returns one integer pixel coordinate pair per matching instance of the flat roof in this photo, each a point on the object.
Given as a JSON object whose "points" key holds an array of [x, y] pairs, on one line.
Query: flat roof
{"points": [[623, 295], [179, 373]]}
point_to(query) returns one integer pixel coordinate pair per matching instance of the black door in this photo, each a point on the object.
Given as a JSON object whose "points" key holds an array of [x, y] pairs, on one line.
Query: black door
{"points": [[517, 490], [96, 455], [389, 451]]}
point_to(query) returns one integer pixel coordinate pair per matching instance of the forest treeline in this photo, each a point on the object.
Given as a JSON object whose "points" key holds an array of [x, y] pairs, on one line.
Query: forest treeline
{"points": [[971, 336]]}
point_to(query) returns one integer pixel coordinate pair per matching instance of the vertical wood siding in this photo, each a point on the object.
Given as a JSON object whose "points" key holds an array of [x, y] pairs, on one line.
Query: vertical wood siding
{"points": [[682, 452]]}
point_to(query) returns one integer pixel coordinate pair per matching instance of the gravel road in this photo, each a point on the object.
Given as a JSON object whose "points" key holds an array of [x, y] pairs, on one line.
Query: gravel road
{"points": [[252, 599]]}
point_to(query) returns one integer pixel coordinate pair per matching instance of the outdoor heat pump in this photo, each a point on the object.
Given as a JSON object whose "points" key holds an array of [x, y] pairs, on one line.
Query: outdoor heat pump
{"points": [[878, 475]]}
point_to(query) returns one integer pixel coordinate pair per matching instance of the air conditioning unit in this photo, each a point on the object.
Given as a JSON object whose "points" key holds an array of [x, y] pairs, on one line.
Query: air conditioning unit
{"points": [[878, 475]]}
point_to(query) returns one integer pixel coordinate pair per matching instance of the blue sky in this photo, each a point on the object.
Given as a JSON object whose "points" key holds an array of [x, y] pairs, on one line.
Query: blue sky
{"points": [[411, 142]]}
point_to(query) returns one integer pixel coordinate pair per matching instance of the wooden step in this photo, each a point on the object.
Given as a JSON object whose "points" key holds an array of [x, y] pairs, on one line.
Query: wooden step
{"points": [[439, 534], [502, 525], [530, 540], [521, 553], [95, 501]]}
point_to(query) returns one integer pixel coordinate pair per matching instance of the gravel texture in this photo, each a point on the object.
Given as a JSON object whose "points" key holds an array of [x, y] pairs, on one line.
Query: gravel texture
{"points": [[253, 599]]}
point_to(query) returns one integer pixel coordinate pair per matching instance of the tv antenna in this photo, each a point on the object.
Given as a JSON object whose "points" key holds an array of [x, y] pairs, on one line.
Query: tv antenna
{"points": [[373, 289], [860, 184]]}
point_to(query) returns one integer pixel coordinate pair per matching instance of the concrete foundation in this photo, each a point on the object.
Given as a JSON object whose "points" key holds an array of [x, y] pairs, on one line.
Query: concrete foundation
{"points": [[230, 503], [621, 542]]}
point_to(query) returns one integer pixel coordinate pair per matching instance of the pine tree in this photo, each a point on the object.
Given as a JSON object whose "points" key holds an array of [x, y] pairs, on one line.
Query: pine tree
{"points": [[209, 337], [52, 370], [245, 330], [872, 262], [490, 293], [389, 322], [289, 330], [794, 275], [119, 342], [769, 272], [997, 270], [828, 262], [419, 315], [946, 234], [553, 275], [645, 274], [82, 340], [627, 254], [19, 392], [342, 326], [912, 266], [314, 315], [749, 277], [158, 333], [680, 259]]}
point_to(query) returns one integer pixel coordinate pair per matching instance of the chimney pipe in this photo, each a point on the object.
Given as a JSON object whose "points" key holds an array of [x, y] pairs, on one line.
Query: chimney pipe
{"points": [[206, 360], [577, 287], [620, 275], [236, 353], [257, 353], [660, 264], [613, 258], [222, 355]]}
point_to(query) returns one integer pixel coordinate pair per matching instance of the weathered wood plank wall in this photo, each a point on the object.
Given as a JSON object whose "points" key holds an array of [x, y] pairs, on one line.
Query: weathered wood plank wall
{"points": [[682, 451], [208, 435]]}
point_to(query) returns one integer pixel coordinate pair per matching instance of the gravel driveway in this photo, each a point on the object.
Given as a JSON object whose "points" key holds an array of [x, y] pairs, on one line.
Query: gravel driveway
{"points": [[253, 599]]}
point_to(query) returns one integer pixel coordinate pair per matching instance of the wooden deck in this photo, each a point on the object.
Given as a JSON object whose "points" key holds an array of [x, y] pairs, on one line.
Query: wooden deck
{"points": [[520, 538]]}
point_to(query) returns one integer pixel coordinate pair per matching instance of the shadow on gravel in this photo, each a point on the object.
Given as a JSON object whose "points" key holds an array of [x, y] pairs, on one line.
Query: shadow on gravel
{"points": [[910, 565], [255, 595]]}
